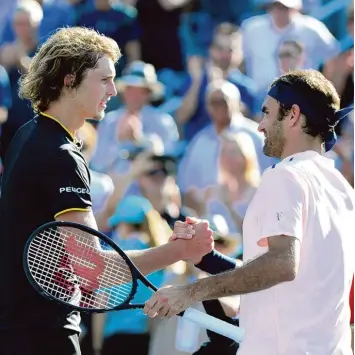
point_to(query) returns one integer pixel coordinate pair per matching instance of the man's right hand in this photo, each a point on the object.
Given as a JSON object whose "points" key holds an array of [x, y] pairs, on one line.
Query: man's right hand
{"points": [[197, 237]]}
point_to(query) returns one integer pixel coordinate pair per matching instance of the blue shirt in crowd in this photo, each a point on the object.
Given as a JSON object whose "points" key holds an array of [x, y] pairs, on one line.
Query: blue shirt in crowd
{"points": [[108, 148], [5, 89], [55, 15], [205, 148], [120, 23], [201, 118]]}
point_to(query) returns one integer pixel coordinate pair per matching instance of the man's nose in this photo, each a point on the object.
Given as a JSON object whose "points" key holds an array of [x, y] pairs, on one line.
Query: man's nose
{"points": [[112, 90], [261, 127]]}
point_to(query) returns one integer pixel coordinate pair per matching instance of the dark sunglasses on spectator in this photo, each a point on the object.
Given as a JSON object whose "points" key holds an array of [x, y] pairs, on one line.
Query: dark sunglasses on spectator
{"points": [[156, 172], [223, 47], [217, 102], [288, 54]]}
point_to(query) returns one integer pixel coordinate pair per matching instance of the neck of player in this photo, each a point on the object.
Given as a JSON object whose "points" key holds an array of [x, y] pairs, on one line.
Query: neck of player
{"points": [[67, 114], [301, 144]]}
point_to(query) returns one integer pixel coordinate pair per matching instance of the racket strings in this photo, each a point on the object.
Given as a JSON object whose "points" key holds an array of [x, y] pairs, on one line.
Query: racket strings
{"points": [[67, 264]]}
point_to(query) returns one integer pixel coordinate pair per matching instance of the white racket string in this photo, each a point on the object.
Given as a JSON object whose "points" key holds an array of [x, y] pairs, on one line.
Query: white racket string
{"points": [[67, 264]]}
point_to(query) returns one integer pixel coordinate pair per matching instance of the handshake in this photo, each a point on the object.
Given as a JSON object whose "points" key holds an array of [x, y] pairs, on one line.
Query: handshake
{"points": [[193, 238]]}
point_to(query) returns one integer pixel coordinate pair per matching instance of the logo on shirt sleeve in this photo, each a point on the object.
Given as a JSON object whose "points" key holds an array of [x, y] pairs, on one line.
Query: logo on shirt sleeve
{"points": [[77, 190]]}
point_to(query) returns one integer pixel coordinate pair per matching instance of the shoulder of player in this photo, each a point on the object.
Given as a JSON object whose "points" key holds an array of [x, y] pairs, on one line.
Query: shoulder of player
{"points": [[287, 172], [65, 156]]}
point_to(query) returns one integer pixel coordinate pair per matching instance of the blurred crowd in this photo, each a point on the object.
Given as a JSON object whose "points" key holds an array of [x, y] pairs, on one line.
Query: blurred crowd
{"points": [[181, 137]]}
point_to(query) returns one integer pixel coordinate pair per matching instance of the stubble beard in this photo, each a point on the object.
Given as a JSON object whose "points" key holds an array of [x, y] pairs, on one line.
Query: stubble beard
{"points": [[275, 141]]}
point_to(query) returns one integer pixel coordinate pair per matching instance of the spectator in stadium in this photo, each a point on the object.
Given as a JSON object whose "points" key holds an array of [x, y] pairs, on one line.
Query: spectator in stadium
{"points": [[198, 168], [55, 15], [225, 57], [137, 122], [15, 57], [342, 75], [7, 6], [262, 35], [5, 95], [166, 14], [345, 149], [5, 99], [291, 56], [101, 185], [136, 225], [238, 179], [116, 20], [178, 336], [154, 180]]}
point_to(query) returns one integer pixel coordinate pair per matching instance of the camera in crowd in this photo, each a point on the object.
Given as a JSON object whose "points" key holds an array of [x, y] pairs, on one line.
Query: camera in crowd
{"points": [[167, 162]]}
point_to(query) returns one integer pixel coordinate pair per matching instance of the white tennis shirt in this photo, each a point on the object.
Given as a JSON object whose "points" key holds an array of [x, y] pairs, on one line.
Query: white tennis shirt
{"points": [[306, 197]]}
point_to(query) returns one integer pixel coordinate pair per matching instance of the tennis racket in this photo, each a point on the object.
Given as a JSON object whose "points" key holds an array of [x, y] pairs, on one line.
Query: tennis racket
{"points": [[85, 270]]}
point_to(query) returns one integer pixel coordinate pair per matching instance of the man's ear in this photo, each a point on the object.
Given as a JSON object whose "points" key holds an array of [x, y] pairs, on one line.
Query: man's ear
{"points": [[294, 115], [69, 80]]}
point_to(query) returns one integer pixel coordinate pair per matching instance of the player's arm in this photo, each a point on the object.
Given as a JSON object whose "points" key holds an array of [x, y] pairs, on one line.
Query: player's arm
{"points": [[68, 188], [153, 259], [279, 239], [279, 264], [281, 227]]}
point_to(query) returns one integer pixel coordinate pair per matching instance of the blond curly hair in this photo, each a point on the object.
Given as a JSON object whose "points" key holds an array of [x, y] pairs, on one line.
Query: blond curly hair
{"points": [[69, 51]]}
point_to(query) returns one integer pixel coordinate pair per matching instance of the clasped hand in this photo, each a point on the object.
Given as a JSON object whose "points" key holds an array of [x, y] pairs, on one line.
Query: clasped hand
{"points": [[171, 300]]}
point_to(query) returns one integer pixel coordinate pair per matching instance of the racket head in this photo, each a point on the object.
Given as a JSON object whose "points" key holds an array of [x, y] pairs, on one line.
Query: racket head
{"points": [[63, 265]]}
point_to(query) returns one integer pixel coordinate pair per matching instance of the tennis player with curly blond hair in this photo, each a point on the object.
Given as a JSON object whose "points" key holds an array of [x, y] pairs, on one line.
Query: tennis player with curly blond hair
{"points": [[46, 177]]}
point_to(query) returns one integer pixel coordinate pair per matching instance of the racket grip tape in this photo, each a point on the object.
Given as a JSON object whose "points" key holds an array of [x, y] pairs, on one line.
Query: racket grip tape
{"points": [[214, 324]]}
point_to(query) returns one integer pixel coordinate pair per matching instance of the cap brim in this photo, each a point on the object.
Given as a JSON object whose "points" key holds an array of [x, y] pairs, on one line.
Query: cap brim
{"points": [[288, 4], [114, 221], [157, 88]]}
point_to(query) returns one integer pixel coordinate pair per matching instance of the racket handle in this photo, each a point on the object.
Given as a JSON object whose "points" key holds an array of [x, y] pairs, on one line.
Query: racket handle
{"points": [[214, 324]]}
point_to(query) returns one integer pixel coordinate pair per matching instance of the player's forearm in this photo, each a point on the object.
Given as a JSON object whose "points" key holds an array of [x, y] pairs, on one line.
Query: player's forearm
{"points": [[153, 259], [262, 273]]}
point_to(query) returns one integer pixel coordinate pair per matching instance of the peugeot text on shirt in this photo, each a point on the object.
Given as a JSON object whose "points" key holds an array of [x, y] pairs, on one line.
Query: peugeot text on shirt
{"points": [[77, 190]]}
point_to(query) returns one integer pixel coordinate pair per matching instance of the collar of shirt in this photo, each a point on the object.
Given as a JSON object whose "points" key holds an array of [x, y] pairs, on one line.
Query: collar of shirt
{"points": [[76, 141], [308, 155]]}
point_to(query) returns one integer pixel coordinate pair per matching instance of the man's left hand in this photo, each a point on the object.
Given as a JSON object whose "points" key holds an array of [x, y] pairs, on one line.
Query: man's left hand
{"points": [[169, 301]]}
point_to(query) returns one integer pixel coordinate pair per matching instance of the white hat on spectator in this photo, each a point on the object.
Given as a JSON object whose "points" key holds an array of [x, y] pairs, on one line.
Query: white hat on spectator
{"points": [[291, 4], [228, 89], [141, 74], [32, 8]]}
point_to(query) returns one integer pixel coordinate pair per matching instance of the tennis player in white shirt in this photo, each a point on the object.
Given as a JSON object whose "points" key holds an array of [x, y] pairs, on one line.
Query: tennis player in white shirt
{"points": [[298, 234]]}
